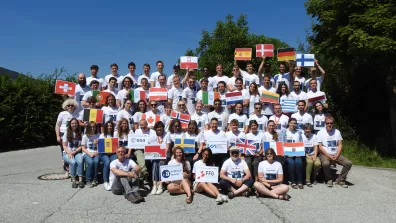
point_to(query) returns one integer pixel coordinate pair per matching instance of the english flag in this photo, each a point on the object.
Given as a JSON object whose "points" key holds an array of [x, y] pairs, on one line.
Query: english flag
{"points": [[188, 62], [151, 119], [265, 50], [65, 87], [158, 94]]}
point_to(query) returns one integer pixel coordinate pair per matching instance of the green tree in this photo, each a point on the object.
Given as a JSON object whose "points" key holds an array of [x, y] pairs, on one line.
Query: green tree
{"points": [[357, 41]]}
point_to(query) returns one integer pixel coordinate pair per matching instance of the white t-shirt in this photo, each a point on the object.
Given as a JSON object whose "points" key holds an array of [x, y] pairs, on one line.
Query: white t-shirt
{"points": [[134, 79], [231, 81], [268, 137], [329, 140], [249, 78], [169, 80], [119, 81], [113, 92], [270, 171], [253, 99], [301, 80], [123, 140], [109, 114], [235, 170], [71, 145], [300, 96], [261, 121], [319, 121], [166, 120], [151, 133], [319, 81], [100, 80], [208, 134], [318, 93], [198, 138], [176, 135], [258, 138], [302, 119], [309, 143], [212, 84], [279, 78], [232, 137], [201, 119], [268, 108], [64, 117], [204, 109], [190, 95], [80, 92], [122, 96], [88, 142], [222, 117], [292, 136], [127, 166], [196, 164], [217, 79], [154, 77], [242, 120], [127, 115], [280, 123], [163, 140], [176, 95], [140, 80]]}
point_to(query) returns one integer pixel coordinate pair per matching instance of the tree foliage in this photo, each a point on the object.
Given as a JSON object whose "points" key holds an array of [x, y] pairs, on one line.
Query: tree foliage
{"points": [[357, 40]]}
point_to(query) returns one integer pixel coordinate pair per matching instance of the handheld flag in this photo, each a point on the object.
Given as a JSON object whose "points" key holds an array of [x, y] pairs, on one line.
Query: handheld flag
{"points": [[234, 97], [65, 87], [294, 149], [183, 118], [286, 54], [188, 62], [100, 96], [158, 94], [243, 53], [289, 106], [277, 146], [188, 145], [248, 147], [209, 97], [270, 97], [305, 60], [137, 95], [151, 119], [93, 115], [108, 145], [154, 152], [265, 50]]}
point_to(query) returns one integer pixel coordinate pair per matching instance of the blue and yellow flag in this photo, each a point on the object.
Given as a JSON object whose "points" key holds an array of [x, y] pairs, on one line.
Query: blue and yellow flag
{"points": [[188, 145]]}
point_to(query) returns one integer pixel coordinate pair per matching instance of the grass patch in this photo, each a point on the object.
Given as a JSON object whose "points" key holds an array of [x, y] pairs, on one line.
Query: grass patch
{"points": [[362, 155]]}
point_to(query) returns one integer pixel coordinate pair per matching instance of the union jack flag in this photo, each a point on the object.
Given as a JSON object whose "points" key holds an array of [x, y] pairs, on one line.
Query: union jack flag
{"points": [[248, 147], [183, 118]]}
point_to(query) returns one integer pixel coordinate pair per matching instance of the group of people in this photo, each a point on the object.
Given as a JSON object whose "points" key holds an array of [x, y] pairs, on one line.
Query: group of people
{"points": [[240, 173]]}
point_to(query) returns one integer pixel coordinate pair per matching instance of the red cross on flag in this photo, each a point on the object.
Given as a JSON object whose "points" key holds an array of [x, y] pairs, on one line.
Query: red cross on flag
{"points": [[188, 62], [265, 50], [65, 87]]}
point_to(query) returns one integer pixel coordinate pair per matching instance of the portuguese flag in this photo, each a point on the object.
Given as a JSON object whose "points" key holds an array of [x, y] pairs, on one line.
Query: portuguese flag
{"points": [[108, 145], [100, 96], [270, 97], [93, 115], [286, 54]]}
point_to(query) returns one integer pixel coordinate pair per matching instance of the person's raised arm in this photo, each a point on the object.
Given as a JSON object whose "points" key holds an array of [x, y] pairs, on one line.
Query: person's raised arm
{"points": [[320, 69]]}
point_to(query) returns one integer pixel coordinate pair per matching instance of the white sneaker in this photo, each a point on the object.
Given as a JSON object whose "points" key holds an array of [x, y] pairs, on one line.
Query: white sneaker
{"points": [[106, 186], [219, 199], [154, 190], [159, 190], [225, 198]]}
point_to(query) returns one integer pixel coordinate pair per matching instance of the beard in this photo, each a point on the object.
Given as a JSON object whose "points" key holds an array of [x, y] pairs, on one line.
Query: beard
{"points": [[82, 82], [234, 158]]}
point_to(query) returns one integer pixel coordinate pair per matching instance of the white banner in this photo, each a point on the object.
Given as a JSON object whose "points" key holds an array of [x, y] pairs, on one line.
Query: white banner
{"points": [[137, 141], [171, 172], [207, 174], [216, 144]]}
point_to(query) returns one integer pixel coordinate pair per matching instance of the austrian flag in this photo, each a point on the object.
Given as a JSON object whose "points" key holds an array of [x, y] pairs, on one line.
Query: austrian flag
{"points": [[158, 94]]}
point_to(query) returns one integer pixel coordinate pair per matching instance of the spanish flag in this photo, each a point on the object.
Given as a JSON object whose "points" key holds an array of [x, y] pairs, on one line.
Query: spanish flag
{"points": [[93, 115], [108, 145], [243, 53], [286, 54]]}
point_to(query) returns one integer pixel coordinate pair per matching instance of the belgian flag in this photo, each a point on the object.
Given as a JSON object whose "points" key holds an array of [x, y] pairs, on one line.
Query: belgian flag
{"points": [[286, 54], [93, 115]]}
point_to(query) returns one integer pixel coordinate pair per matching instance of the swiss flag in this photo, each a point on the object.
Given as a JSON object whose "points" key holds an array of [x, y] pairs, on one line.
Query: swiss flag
{"points": [[151, 119], [265, 50], [65, 87]]}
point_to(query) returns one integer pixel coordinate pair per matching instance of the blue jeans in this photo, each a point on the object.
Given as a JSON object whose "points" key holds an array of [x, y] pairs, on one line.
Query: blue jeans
{"points": [[75, 164], [295, 170], [91, 172], [106, 159]]}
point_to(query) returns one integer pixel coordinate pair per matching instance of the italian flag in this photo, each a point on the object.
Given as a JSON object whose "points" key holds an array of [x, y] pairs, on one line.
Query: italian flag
{"points": [[137, 95], [209, 97]]}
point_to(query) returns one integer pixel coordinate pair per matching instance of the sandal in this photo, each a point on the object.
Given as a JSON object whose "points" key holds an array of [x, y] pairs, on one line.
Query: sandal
{"points": [[300, 186], [246, 193], [294, 186], [231, 195], [308, 183], [189, 199], [284, 197]]}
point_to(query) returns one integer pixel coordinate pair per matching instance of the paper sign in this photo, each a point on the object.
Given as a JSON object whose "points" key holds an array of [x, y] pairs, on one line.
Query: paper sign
{"points": [[154, 152], [216, 144], [137, 141], [207, 174], [171, 172]]}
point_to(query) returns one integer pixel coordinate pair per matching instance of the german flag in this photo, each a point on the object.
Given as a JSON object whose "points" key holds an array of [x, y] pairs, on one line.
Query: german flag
{"points": [[93, 115], [286, 54], [243, 53], [108, 145]]}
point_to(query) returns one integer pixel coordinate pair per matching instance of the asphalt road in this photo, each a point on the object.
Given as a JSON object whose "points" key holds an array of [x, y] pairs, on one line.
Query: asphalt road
{"points": [[24, 198]]}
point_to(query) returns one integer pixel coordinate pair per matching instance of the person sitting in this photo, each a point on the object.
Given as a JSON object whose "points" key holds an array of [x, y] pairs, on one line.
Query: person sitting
{"points": [[124, 177], [235, 175], [270, 178]]}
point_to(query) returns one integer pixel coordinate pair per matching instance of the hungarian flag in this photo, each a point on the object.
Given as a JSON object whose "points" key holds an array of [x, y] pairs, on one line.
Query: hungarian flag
{"points": [[265, 50], [321, 98], [188, 62], [152, 152], [183, 118], [158, 94], [209, 97], [270, 97], [286, 54], [305, 60], [108, 145], [93, 115], [243, 53], [65, 87], [151, 119], [277, 146], [188, 145], [234, 97], [100, 96], [137, 95], [294, 149]]}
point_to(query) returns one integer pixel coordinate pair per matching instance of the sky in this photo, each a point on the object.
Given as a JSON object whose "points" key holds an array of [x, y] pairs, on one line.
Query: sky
{"points": [[39, 36]]}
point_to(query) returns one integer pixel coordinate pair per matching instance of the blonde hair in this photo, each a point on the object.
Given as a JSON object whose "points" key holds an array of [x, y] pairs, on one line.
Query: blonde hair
{"points": [[69, 102]]}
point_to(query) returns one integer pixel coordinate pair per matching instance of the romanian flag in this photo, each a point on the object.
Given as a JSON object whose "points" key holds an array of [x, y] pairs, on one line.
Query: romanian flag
{"points": [[286, 54], [93, 115], [270, 97], [277, 146], [243, 53], [137, 95], [188, 145], [108, 145], [209, 97], [100, 96]]}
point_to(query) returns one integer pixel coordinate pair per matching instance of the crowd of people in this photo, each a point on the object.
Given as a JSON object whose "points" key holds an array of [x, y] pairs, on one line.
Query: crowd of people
{"points": [[260, 172]]}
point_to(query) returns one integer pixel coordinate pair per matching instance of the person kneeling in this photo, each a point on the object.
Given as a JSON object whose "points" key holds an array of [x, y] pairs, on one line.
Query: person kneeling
{"points": [[270, 175], [124, 177], [235, 175]]}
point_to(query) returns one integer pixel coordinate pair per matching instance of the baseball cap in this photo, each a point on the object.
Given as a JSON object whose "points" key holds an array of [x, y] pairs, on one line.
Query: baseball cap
{"points": [[234, 148], [176, 66]]}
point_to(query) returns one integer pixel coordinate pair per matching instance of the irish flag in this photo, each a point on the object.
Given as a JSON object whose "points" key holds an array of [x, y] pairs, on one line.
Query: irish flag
{"points": [[100, 96], [294, 149], [188, 62], [158, 94], [93, 115], [108, 145], [277, 146], [243, 53], [137, 95], [209, 97], [286, 54], [270, 97]]}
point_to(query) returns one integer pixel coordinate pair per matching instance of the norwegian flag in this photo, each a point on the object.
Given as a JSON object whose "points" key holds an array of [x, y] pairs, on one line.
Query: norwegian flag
{"points": [[248, 147], [265, 50], [183, 118], [151, 119]]}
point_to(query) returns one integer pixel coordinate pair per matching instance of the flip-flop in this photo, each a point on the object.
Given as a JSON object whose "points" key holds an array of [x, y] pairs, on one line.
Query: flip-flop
{"points": [[294, 186], [300, 186]]}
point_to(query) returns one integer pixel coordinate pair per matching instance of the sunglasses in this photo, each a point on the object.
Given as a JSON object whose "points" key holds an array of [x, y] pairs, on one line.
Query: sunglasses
{"points": [[235, 152], [269, 154], [217, 104], [257, 108], [153, 104], [181, 105]]}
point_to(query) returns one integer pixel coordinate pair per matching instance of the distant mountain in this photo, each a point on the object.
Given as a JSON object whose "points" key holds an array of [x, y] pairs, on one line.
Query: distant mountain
{"points": [[13, 74]]}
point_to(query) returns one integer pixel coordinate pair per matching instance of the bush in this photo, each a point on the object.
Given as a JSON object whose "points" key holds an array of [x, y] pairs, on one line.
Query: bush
{"points": [[28, 109]]}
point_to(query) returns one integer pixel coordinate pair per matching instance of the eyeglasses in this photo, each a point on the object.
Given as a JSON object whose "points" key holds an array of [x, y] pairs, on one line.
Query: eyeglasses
{"points": [[329, 123], [257, 108], [269, 154], [217, 104], [70, 106], [234, 152], [180, 105], [121, 152], [153, 104]]}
